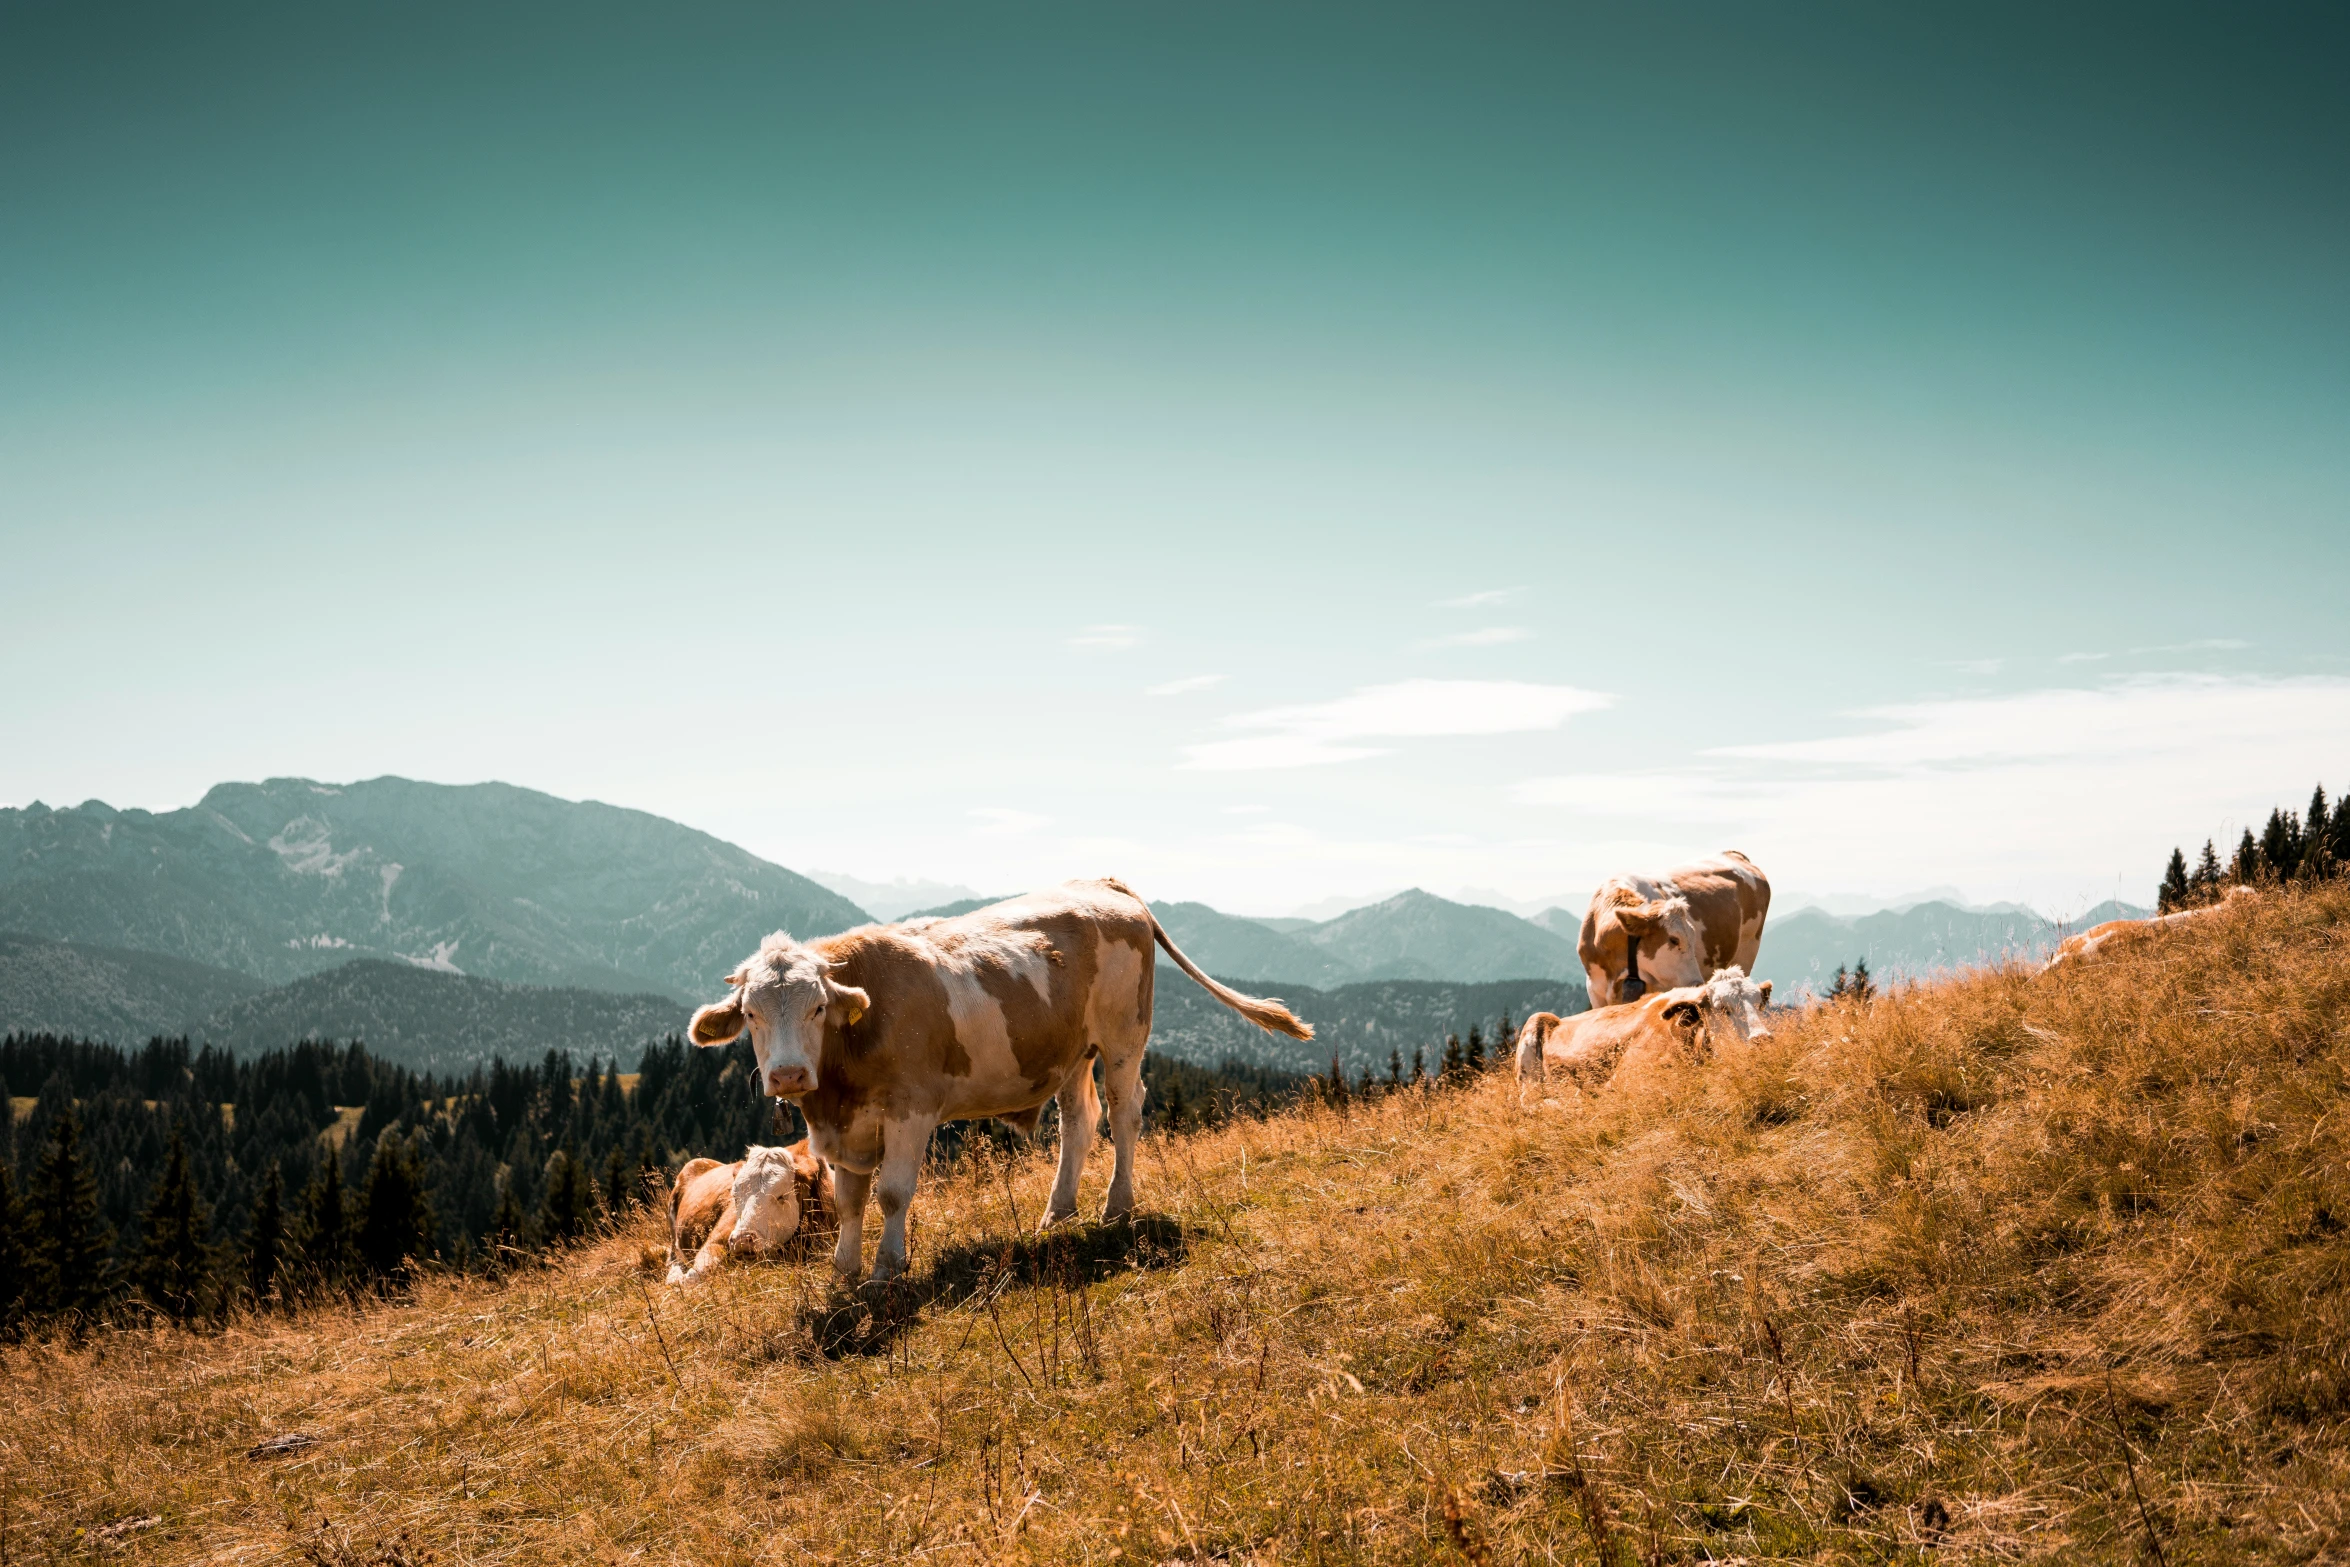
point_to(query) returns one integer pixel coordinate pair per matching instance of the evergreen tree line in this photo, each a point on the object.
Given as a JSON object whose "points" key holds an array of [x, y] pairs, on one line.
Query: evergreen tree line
{"points": [[186, 1182], [1459, 1063], [2291, 848]]}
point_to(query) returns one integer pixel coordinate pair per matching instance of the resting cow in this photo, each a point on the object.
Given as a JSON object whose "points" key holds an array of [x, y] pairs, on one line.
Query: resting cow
{"points": [[1592, 1049], [885, 1031], [2100, 938], [751, 1206], [1643, 933]]}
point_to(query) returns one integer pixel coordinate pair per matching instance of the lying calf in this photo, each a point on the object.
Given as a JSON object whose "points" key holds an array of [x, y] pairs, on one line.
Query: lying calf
{"points": [[751, 1206], [1593, 1049], [2117, 933]]}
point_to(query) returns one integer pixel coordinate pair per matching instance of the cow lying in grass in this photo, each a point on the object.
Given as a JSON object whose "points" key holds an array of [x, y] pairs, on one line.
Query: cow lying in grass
{"points": [[748, 1208], [882, 1032], [2089, 943], [1594, 1049]]}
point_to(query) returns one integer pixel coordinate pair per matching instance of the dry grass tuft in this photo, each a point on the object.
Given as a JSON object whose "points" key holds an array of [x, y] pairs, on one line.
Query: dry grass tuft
{"points": [[2006, 1268]]}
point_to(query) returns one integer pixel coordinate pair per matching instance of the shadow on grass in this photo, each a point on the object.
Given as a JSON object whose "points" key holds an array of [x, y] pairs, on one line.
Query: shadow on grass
{"points": [[1069, 1257]]}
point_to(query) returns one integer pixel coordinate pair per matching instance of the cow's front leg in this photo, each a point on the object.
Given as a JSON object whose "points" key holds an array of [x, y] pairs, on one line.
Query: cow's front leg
{"points": [[848, 1194], [904, 1144], [1080, 1112]]}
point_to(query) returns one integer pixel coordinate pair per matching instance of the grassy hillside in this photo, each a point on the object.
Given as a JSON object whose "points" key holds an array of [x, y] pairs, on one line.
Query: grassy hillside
{"points": [[1360, 1024], [2005, 1269], [1803, 947]]}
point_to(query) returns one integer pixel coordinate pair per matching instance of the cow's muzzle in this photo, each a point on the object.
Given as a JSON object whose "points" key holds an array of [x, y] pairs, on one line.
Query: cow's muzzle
{"points": [[790, 1082]]}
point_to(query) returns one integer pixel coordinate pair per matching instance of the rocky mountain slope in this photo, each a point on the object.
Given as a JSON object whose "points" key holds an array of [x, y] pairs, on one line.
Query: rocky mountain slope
{"points": [[285, 878]]}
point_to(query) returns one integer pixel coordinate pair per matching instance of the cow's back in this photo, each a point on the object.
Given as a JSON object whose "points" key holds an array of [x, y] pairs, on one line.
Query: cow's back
{"points": [[1730, 898], [986, 1013]]}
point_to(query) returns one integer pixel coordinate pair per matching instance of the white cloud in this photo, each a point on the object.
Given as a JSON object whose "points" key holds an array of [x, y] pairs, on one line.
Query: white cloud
{"points": [[1003, 822], [1489, 636], [1319, 733], [1108, 638], [1187, 683], [1480, 600], [2082, 658]]}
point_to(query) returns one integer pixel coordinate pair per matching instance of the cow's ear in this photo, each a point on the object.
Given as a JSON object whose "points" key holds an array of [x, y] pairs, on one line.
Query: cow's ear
{"points": [[719, 1023], [1766, 992], [1682, 1014], [1640, 920], [850, 1000]]}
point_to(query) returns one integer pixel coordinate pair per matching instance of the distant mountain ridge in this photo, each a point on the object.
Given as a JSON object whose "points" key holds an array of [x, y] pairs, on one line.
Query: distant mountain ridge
{"points": [[124, 997], [288, 877], [1805, 947]]}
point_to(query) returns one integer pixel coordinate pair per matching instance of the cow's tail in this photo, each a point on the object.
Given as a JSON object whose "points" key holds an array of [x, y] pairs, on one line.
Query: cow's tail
{"points": [[1530, 1039], [1271, 1016]]}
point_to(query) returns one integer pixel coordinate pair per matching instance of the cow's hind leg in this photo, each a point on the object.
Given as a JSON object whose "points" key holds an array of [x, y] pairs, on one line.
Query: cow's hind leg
{"points": [[1080, 1112], [1122, 1081], [848, 1191], [903, 1145]]}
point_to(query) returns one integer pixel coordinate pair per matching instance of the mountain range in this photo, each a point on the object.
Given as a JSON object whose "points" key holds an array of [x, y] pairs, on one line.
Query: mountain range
{"points": [[285, 878], [408, 914]]}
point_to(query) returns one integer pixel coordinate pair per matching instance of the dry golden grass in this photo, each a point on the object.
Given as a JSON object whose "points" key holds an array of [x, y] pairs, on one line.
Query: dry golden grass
{"points": [[2002, 1268]]}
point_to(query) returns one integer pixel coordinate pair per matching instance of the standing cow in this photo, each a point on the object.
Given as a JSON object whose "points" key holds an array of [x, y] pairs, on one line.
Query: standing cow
{"points": [[885, 1031], [1643, 933]]}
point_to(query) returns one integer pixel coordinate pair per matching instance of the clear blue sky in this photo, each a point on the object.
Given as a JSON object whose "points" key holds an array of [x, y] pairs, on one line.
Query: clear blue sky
{"points": [[1266, 454]]}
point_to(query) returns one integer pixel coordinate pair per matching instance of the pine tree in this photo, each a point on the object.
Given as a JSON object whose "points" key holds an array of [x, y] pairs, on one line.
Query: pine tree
{"points": [[1394, 1070], [1863, 987], [2247, 867], [569, 1207], [15, 1257], [1334, 1085], [265, 1237], [2338, 832], [510, 1229], [2207, 875], [1476, 1051], [1841, 985], [329, 1259], [395, 1221], [1419, 1064], [72, 1272], [175, 1250], [2317, 838], [618, 1197], [2280, 843], [2172, 895], [1453, 1061]]}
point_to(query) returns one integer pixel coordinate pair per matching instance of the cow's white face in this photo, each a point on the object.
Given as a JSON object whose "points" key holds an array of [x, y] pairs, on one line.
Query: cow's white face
{"points": [[766, 1199], [1728, 1008], [785, 999]]}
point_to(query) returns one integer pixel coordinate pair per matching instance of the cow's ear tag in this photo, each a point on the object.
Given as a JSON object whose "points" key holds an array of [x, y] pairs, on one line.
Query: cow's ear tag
{"points": [[853, 1002]]}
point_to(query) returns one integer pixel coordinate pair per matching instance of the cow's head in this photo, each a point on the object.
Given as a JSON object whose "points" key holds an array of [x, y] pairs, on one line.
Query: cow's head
{"points": [[1655, 942], [1729, 1007], [784, 996], [766, 1199]]}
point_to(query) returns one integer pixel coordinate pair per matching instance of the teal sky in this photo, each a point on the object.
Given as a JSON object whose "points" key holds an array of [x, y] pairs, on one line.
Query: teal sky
{"points": [[1912, 448]]}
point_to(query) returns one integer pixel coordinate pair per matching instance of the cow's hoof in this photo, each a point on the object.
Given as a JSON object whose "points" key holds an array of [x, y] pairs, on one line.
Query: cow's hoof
{"points": [[1055, 1216]]}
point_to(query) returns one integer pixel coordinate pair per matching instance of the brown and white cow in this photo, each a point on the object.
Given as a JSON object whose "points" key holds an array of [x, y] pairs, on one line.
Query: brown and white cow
{"points": [[2098, 939], [1642, 933], [750, 1207], [1593, 1049], [883, 1032]]}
